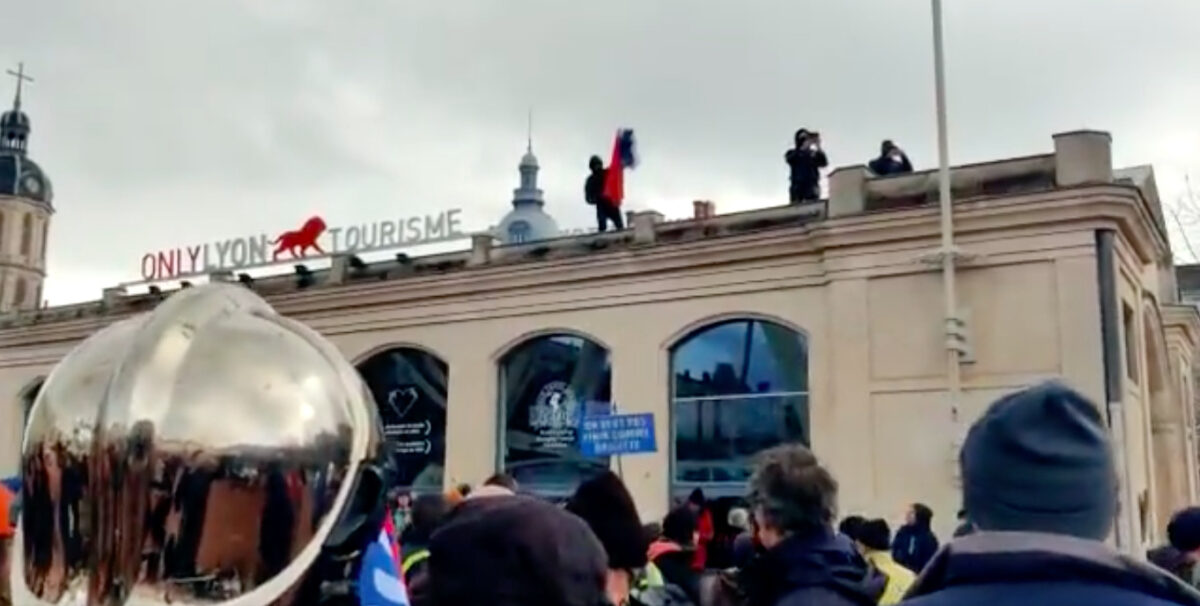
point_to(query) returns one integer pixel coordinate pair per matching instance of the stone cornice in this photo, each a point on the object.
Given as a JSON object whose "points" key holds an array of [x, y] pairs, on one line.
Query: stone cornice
{"points": [[1182, 321], [479, 291]]}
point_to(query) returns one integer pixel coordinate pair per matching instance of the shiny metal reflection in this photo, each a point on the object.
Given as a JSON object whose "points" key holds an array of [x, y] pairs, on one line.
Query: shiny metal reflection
{"points": [[198, 454]]}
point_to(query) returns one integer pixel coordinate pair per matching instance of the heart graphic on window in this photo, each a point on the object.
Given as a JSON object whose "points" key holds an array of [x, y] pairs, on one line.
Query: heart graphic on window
{"points": [[402, 400]]}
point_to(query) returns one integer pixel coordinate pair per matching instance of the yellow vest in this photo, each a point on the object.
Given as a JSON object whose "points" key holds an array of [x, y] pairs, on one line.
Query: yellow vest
{"points": [[899, 577]]}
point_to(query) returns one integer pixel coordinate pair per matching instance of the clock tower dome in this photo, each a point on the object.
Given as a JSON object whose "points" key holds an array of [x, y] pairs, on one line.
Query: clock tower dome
{"points": [[25, 210]]}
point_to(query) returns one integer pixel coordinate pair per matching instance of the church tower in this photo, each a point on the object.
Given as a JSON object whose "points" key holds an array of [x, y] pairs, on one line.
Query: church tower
{"points": [[25, 210], [528, 220]]}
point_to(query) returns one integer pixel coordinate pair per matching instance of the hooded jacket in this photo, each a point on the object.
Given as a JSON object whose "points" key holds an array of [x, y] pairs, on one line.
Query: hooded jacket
{"points": [[915, 544], [1037, 569], [675, 563], [820, 570]]}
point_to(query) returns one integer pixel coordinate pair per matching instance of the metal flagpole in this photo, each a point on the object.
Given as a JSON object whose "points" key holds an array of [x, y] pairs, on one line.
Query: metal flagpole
{"points": [[948, 253]]}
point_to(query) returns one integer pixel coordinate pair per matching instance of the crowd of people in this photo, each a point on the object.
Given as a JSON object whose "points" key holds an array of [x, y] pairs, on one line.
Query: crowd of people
{"points": [[1039, 494]]}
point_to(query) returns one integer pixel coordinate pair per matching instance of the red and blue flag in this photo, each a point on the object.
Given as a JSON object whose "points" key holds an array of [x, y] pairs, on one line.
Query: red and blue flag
{"points": [[624, 155], [380, 581]]}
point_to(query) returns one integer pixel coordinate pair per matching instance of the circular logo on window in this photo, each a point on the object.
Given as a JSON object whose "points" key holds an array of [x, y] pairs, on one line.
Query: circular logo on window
{"points": [[555, 407]]}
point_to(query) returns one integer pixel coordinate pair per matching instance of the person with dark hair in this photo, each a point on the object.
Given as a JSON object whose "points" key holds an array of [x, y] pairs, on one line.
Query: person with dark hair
{"points": [[915, 542], [805, 161], [804, 562], [499, 485], [1181, 556], [672, 553], [891, 161], [850, 526], [503, 480], [604, 503], [426, 515], [513, 551], [464, 489], [593, 192], [964, 525], [1039, 482], [874, 539], [705, 529]]}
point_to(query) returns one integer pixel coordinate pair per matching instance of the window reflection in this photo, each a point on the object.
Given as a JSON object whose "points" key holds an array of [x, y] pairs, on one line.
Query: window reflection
{"points": [[409, 387], [740, 387], [547, 384]]}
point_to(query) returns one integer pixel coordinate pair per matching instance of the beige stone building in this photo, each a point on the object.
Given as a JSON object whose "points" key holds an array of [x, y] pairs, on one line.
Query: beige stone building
{"points": [[821, 323]]}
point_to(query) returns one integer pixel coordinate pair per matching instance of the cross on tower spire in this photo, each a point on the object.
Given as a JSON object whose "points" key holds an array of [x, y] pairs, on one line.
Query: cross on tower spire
{"points": [[529, 132], [21, 79]]}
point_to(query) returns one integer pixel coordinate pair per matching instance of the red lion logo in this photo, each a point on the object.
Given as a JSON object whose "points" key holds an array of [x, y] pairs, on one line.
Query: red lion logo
{"points": [[298, 242]]}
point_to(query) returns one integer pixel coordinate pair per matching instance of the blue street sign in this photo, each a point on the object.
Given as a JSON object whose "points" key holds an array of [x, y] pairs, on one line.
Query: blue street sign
{"points": [[617, 435]]}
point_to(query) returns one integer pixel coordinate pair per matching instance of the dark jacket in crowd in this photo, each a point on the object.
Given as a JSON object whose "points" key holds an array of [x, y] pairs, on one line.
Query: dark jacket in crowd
{"points": [[1042, 569], [593, 187], [806, 165], [821, 570], [915, 543], [1175, 562], [675, 564]]}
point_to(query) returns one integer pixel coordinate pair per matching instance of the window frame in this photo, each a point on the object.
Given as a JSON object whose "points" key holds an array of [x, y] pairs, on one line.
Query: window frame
{"points": [[676, 488], [500, 461]]}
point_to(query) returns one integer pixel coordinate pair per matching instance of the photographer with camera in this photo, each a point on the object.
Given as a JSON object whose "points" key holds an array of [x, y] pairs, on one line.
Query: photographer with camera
{"points": [[806, 160], [891, 161]]}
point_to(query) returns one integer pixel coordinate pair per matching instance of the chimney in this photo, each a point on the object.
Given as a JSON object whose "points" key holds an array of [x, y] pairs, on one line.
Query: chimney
{"points": [[112, 295], [703, 209]]}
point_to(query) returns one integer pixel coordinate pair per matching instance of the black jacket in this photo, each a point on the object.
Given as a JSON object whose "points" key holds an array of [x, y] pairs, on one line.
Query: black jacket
{"points": [[914, 546], [1036, 569], [676, 569], [806, 168], [886, 165], [593, 188], [822, 570]]}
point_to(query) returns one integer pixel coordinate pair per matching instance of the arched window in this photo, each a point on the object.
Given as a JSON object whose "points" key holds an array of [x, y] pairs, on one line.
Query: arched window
{"points": [[409, 386], [739, 387], [519, 232], [547, 384], [19, 293], [26, 234]]}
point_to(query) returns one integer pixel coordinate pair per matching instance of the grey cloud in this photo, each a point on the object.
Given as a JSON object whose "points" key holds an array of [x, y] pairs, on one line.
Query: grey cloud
{"points": [[192, 121]]}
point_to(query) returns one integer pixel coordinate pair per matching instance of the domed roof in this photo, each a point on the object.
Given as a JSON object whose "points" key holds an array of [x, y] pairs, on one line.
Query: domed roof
{"points": [[14, 119], [20, 176], [526, 223]]}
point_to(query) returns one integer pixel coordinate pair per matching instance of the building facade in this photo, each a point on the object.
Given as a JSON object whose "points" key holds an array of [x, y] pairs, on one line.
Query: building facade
{"points": [[819, 323]]}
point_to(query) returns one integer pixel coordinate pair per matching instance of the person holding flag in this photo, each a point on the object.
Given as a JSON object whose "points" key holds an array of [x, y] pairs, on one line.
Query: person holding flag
{"points": [[605, 187]]}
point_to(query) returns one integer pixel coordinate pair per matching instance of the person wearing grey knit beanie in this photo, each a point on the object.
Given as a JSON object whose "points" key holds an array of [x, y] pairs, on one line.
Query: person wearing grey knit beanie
{"points": [[1040, 488]]}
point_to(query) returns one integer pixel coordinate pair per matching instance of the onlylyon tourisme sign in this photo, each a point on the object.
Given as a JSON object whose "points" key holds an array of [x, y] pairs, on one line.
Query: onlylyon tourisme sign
{"points": [[312, 240]]}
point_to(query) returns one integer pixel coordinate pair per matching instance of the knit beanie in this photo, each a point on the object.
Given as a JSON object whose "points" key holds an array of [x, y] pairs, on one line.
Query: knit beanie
{"points": [[1039, 460], [605, 504], [515, 551]]}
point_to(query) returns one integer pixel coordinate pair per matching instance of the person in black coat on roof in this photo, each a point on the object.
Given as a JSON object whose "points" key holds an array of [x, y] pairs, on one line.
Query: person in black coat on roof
{"points": [[891, 161], [805, 161]]}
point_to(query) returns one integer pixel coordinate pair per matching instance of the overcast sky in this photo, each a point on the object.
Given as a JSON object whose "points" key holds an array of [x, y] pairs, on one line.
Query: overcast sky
{"points": [[171, 123]]}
